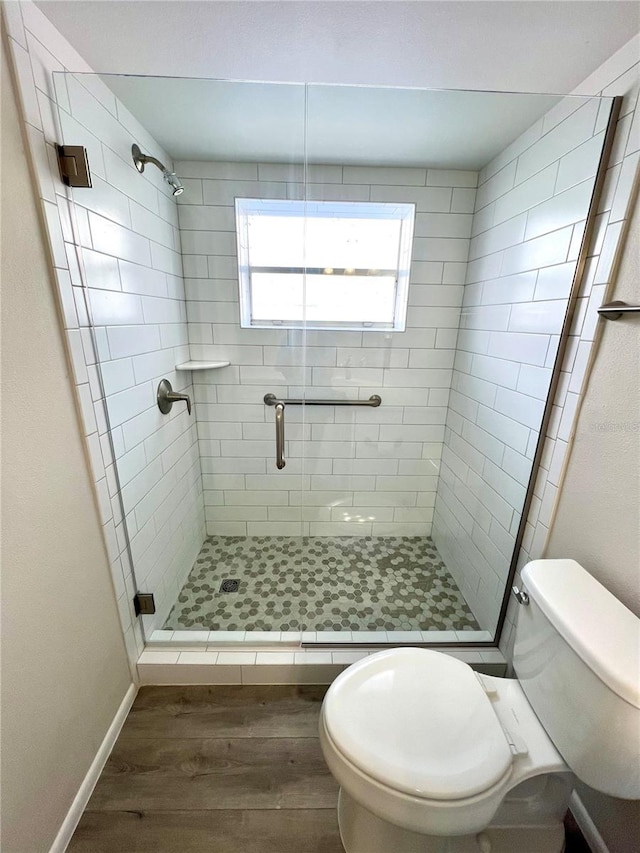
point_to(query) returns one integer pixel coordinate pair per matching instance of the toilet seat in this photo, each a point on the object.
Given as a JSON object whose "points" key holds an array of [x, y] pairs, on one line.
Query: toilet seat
{"points": [[418, 722]]}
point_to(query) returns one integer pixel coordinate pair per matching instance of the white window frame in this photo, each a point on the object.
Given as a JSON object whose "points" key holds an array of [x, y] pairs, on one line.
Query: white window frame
{"points": [[404, 212]]}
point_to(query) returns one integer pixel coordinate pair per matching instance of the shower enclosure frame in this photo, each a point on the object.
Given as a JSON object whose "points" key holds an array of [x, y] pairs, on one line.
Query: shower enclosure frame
{"points": [[547, 411]]}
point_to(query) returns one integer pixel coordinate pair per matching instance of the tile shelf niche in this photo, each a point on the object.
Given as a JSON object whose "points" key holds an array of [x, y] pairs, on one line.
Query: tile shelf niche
{"points": [[202, 365]]}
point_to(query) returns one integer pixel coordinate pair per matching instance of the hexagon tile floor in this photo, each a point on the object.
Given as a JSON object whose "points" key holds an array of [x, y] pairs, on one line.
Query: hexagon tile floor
{"points": [[320, 584]]}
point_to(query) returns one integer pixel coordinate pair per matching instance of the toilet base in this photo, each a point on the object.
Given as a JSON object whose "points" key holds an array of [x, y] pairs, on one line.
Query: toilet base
{"points": [[363, 832]]}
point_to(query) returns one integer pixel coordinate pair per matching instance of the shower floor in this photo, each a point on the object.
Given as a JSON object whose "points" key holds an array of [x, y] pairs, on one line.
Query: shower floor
{"points": [[320, 584]]}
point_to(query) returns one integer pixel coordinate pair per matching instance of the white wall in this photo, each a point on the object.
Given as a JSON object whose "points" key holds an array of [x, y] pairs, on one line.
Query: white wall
{"points": [[349, 471], [64, 664], [597, 521], [529, 220]]}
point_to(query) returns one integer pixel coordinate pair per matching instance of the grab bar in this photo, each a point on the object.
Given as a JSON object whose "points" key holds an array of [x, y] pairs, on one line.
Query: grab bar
{"points": [[373, 401], [617, 309], [280, 463]]}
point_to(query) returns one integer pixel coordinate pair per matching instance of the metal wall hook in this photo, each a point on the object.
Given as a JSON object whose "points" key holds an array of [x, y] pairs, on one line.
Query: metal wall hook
{"points": [[166, 397]]}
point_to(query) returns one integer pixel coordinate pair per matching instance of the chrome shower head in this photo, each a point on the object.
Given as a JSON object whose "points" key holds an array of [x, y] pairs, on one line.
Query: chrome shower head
{"points": [[174, 183], [140, 160]]}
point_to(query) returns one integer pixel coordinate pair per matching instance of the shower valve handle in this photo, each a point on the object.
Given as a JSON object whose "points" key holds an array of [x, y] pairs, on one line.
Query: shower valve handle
{"points": [[166, 397]]}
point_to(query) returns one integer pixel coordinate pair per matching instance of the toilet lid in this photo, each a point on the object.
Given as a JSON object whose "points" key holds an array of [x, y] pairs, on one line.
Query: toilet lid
{"points": [[418, 721]]}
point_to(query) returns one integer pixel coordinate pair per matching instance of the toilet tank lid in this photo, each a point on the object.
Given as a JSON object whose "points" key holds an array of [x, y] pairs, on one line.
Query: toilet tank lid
{"points": [[599, 628]]}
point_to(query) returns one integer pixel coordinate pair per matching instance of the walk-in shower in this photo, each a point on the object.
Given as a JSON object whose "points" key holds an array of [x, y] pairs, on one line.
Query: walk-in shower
{"points": [[363, 291]]}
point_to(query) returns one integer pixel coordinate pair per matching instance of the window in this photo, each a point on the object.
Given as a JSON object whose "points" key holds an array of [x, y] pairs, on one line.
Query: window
{"points": [[323, 264]]}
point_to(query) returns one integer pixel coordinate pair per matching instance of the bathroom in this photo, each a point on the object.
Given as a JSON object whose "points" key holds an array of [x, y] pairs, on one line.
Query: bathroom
{"points": [[199, 386]]}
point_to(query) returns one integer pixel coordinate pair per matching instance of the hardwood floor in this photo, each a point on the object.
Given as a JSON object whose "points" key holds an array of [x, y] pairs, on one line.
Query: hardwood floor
{"points": [[233, 769]]}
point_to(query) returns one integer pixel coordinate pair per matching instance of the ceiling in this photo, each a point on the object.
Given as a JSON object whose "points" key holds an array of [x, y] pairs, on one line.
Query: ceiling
{"points": [[265, 122], [502, 45]]}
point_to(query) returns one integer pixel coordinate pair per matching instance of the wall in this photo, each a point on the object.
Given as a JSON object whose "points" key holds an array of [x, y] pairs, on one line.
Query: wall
{"points": [[601, 490], [64, 665], [614, 821], [596, 519], [365, 471], [131, 277], [128, 274], [618, 76], [530, 212]]}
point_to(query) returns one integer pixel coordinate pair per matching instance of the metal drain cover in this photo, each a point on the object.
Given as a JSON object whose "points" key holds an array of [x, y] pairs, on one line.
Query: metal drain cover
{"points": [[229, 585]]}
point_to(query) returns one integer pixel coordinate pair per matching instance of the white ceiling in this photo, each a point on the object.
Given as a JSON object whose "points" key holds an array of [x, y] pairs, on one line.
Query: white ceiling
{"points": [[265, 122], [503, 45]]}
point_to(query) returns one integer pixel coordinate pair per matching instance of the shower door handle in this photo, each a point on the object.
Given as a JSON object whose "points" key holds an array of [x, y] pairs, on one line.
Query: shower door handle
{"points": [[280, 463]]}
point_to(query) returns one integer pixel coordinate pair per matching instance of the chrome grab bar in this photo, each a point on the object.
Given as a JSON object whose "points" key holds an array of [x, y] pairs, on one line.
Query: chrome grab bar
{"points": [[280, 463], [617, 309], [373, 401]]}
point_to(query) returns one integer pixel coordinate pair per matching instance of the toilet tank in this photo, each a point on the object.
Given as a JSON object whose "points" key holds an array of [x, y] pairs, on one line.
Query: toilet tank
{"points": [[577, 657]]}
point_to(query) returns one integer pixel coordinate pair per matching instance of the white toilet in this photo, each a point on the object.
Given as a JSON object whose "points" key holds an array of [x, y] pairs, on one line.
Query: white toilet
{"points": [[432, 757]]}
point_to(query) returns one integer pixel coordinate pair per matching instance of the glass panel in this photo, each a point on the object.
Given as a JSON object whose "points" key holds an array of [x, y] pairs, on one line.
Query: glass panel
{"points": [[413, 524], [391, 521], [159, 286]]}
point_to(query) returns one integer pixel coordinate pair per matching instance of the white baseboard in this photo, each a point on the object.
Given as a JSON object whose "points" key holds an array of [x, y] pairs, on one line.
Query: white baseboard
{"points": [[81, 799], [587, 826]]}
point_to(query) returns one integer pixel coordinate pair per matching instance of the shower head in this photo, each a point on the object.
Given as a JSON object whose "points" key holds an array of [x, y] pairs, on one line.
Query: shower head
{"points": [[174, 183], [140, 160]]}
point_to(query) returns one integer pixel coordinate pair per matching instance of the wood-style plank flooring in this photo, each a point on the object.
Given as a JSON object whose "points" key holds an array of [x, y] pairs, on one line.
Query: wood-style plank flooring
{"points": [[233, 769], [216, 769]]}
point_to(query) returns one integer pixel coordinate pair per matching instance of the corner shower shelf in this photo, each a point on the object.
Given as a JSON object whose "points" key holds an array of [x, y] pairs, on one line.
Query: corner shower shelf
{"points": [[202, 365]]}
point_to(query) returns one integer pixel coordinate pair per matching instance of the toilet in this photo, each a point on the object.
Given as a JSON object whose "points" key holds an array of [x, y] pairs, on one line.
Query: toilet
{"points": [[432, 757]]}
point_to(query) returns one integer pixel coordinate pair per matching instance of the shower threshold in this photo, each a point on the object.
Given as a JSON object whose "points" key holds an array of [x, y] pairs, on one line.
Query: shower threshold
{"points": [[321, 589]]}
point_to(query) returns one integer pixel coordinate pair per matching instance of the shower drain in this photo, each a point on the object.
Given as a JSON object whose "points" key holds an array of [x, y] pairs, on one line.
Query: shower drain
{"points": [[229, 585]]}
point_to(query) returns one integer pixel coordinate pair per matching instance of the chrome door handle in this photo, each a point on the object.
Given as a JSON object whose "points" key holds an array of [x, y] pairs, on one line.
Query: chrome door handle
{"points": [[280, 463], [166, 397]]}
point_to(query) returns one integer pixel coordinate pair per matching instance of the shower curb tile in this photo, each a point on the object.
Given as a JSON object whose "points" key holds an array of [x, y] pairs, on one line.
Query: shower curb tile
{"points": [[439, 636], [260, 637], [307, 658], [190, 637], [161, 636], [334, 637], [201, 658], [236, 658], [291, 637], [226, 636], [369, 636], [404, 637], [189, 674], [153, 657], [274, 658]]}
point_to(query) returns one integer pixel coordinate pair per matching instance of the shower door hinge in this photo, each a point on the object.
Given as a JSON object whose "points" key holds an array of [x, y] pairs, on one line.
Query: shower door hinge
{"points": [[74, 165], [143, 603]]}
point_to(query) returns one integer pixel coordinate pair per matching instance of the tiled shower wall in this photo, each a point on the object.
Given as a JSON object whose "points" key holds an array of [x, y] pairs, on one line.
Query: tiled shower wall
{"points": [[123, 234], [531, 205], [127, 229], [349, 471]]}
